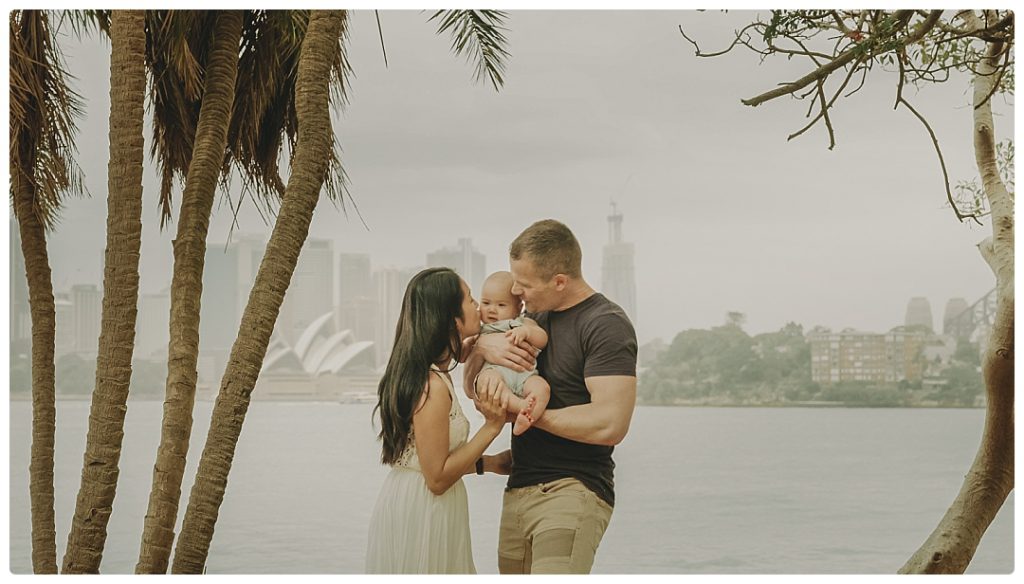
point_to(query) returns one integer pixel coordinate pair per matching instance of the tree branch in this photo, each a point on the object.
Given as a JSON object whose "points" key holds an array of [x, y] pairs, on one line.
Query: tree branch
{"points": [[824, 111], [942, 162], [696, 47], [846, 57], [1005, 49]]}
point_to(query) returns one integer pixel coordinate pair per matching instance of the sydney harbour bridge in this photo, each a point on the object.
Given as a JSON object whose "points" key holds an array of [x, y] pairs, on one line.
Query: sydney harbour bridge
{"points": [[973, 323]]}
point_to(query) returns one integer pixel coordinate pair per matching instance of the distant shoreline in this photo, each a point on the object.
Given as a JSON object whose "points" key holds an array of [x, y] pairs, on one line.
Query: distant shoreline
{"points": [[806, 405]]}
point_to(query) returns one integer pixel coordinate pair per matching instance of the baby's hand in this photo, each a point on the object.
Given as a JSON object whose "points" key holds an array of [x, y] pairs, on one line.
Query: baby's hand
{"points": [[517, 335]]}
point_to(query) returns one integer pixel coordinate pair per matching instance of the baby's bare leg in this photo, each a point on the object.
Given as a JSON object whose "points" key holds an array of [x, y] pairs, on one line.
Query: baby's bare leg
{"points": [[536, 393], [516, 404], [537, 389]]}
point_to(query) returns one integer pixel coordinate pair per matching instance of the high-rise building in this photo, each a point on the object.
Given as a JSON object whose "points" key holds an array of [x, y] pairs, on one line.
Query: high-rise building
{"points": [[359, 315], [852, 355], [87, 307], [919, 313], [465, 260], [154, 325], [228, 276], [618, 279], [849, 355], [390, 284], [905, 353], [354, 276], [954, 308], [311, 292], [357, 302], [64, 329], [219, 309]]}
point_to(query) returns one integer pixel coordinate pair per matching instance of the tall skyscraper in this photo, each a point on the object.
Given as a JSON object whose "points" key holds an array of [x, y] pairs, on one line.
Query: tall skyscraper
{"points": [[64, 329], [87, 306], [311, 292], [228, 276], [618, 280], [357, 303], [390, 284], [919, 313], [466, 261], [219, 309], [954, 307], [154, 322]]}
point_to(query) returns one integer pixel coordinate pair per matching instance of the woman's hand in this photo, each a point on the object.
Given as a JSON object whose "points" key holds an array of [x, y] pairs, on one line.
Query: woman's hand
{"points": [[492, 401], [467, 347]]}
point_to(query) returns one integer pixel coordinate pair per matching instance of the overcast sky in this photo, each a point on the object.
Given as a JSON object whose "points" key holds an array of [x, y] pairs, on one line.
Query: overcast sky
{"points": [[725, 214]]}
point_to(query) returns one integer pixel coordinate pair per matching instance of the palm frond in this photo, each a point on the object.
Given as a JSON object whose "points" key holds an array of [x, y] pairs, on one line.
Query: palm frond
{"points": [[478, 34], [177, 43], [263, 118], [82, 22], [42, 112]]}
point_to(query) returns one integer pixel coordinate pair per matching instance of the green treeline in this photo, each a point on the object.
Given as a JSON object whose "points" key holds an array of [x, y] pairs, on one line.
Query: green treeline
{"points": [[724, 366], [76, 376]]}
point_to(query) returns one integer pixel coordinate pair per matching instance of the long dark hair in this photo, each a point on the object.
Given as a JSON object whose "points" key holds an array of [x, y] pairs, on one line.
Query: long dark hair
{"points": [[425, 334]]}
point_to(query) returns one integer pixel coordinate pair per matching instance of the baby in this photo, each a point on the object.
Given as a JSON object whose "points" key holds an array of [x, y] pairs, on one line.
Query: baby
{"points": [[500, 313]]}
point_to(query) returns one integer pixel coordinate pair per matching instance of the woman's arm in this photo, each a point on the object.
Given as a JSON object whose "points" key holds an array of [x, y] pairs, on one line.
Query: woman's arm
{"points": [[500, 463], [470, 369], [442, 469]]}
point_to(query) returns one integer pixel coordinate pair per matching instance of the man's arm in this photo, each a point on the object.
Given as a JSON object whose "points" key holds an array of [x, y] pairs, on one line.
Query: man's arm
{"points": [[499, 350], [605, 420], [500, 463]]}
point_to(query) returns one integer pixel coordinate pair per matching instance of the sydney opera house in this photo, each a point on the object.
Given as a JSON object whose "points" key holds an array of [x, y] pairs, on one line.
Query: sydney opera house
{"points": [[324, 363]]}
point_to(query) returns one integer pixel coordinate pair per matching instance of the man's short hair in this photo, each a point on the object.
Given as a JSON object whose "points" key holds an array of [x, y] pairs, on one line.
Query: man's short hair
{"points": [[552, 248]]}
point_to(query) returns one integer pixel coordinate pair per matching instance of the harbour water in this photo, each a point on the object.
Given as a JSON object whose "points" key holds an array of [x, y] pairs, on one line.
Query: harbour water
{"points": [[699, 490]]}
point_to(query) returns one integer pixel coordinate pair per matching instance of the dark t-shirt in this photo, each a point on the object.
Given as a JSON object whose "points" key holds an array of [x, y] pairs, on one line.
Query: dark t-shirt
{"points": [[591, 339]]}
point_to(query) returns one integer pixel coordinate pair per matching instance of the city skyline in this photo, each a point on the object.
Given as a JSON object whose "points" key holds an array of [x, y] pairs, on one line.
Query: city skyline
{"points": [[725, 214], [382, 284]]}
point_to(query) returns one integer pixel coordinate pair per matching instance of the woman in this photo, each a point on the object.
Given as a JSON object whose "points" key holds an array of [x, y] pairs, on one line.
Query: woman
{"points": [[420, 524]]}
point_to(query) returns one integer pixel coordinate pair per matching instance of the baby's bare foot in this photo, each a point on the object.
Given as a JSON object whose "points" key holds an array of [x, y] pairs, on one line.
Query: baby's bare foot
{"points": [[524, 420]]}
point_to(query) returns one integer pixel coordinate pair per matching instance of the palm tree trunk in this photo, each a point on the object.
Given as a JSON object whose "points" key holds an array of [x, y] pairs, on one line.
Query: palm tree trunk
{"points": [[120, 295], [309, 167], [44, 321], [186, 290], [951, 546]]}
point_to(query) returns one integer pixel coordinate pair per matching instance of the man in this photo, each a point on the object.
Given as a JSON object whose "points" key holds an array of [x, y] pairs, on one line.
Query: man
{"points": [[560, 491]]}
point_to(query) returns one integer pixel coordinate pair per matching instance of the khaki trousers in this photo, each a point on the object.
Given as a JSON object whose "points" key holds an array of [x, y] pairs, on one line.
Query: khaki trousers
{"points": [[551, 528]]}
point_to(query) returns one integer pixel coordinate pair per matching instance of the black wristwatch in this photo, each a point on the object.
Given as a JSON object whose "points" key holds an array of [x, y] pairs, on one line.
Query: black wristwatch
{"points": [[480, 466]]}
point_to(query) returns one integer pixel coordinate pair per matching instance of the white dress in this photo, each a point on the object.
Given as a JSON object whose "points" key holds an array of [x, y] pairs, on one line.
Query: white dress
{"points": [[413, 531]]}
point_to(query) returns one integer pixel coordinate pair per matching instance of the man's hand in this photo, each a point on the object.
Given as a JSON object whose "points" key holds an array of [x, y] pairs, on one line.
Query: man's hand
{"points": [[500, 463], [500, 350]]}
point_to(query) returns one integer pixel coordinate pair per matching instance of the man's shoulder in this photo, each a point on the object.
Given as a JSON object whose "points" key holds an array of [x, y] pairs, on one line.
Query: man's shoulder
{"points": [[540, 318], [603, 312]]}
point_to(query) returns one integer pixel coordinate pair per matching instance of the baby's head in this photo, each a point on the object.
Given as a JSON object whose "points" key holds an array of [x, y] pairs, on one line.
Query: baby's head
{"points": [[496, 299]]}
